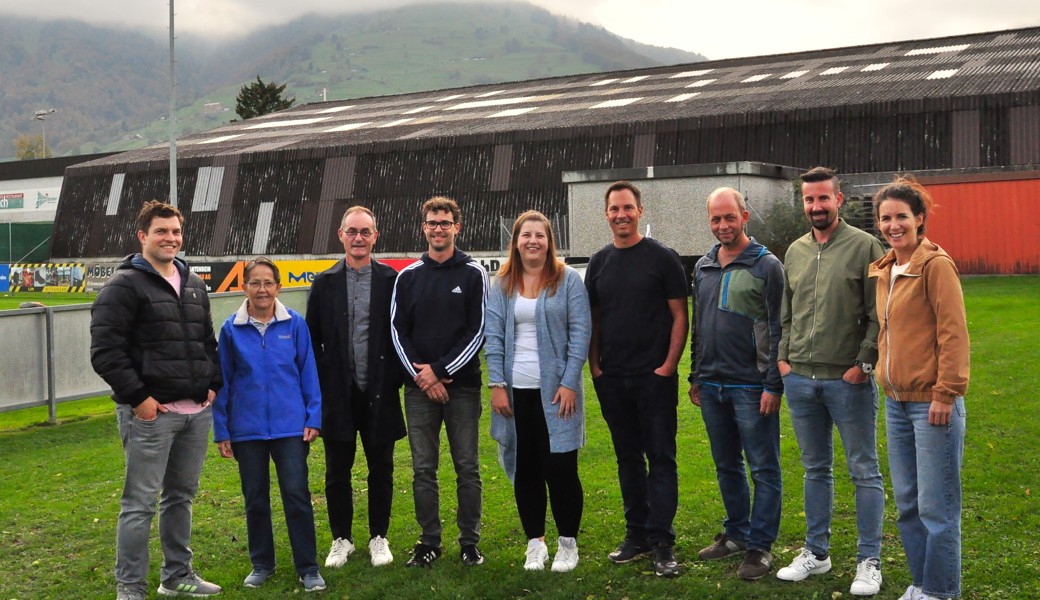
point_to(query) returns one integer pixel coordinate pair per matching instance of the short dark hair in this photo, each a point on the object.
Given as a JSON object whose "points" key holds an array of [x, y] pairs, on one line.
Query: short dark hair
{"points": [[267, 262], [617, 186], [154, 209], [908, 190], [817, 174], [442, 204]]}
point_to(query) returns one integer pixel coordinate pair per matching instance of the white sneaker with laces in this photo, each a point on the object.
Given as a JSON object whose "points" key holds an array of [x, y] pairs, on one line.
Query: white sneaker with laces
{"points": [[804, 565], [341, 550], [912, 593], [868, 578], [379, 548], [566, 555], [537, 553]]}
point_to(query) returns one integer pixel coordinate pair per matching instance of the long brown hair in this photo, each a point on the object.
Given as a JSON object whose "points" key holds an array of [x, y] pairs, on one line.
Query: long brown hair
{"points": [[511, 274]]}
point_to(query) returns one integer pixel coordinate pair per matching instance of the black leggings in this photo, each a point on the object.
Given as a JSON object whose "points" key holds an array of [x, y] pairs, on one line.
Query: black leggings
{"points": [[537, 468]]}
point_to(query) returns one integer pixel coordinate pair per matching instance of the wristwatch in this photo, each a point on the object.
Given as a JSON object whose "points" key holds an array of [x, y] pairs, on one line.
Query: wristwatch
{"points": [[866, 367]]}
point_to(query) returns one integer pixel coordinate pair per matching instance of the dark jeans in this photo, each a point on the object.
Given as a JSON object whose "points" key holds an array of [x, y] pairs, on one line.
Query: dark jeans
{"points": [[339, 461], [537, 468], [641, 414], [290, 461], [461, 419], [736, 429]]}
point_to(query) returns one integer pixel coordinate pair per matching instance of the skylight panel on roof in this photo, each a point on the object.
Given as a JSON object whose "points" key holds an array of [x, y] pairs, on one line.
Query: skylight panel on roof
{"points": [[397, 122], [603, 82], [794, 74], [755, 78], [691, 73], [289, 123], [334, 109], [512, 112], [943, 74], [833, 70], [497, 102], [485, 95], [682, 97], [635, 79], [418, 109], [701, 82], [222, 138], [937, 50], [616, 102], [874, 67], [348, 127], [452, 97]]}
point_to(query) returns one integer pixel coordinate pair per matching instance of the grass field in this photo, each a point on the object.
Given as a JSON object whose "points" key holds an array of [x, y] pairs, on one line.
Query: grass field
{"points": [[60, 489], [11, 301]]}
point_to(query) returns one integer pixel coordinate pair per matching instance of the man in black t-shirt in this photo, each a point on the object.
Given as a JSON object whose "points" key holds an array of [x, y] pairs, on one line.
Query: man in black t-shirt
{"points": [[637, 289]]}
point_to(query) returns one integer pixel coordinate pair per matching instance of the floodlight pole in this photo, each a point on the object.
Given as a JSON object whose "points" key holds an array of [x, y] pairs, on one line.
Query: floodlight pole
{"points": [[173, 120]]}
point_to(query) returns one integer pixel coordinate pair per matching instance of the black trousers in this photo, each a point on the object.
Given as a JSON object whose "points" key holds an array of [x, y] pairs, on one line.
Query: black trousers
{"points": [[339, 461], [538, 469]]}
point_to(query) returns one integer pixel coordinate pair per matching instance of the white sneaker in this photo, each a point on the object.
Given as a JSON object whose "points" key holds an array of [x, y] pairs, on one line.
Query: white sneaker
{"points": [[868, 578], [379, 548], [804, 565], [566, 555], [341, 550], [912, 593], [537, 553]]}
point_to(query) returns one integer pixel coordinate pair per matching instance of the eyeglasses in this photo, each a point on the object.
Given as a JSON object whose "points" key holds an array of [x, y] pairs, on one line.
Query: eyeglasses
{"points": [[353, 233], [256, 285], [440, 224]]}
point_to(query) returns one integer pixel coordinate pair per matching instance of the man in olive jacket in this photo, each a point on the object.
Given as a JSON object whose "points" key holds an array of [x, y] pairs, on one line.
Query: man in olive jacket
{"points": [[348, 313], [151, 340]]}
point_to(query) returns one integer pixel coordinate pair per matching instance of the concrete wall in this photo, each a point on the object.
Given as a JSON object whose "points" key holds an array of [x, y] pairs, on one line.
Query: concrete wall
{"points": [[24, 370], [673, 201]]}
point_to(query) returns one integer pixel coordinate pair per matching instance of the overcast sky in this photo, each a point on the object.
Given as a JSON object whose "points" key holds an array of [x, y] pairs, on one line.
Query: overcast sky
{"points": [[717, 29]]}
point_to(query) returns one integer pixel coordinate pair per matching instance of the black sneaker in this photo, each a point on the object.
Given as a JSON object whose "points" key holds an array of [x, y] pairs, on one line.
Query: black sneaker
{"points": [[471, 557], [755, 565], [665, 564], [721, 547], [423, 556], [628, 550]]}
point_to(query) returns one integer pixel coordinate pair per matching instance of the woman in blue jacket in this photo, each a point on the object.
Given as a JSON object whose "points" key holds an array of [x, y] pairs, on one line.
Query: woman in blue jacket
{"points": [[538, 329], [270, 409]]}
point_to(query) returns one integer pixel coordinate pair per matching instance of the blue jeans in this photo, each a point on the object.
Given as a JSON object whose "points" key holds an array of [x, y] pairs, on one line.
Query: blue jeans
{"points": [[641, 415], [461, 419], [254, 468], [925, 461], [817, 406], [163, 462], [735, 429]]}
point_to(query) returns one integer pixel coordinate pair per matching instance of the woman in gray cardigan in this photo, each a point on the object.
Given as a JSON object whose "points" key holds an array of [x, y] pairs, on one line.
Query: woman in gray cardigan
{"points": [[538, 328]]}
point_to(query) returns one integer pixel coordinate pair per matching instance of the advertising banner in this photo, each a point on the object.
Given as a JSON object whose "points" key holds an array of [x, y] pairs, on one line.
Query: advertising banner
{"points": [[16, 200], [5, 282], [47, 277]]}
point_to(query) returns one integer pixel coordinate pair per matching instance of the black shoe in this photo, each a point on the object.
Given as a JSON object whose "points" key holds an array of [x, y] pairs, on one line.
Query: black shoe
{"points": [[423, 556], [755, 565], [471, 557], [628, 550], [665, 564]]}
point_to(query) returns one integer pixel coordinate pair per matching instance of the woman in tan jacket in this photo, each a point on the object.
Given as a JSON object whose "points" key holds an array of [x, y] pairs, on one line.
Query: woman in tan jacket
{"points": [[923, 366]]}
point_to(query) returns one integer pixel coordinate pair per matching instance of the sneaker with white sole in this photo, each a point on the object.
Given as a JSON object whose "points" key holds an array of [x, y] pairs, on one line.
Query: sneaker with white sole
{"points": [[131, 591], [868, 578], [312, 582], [804, 565], [341, 550], [566, 555], [188, 585], [912, 593], [257, 577], [536, 556], [379, 549]]}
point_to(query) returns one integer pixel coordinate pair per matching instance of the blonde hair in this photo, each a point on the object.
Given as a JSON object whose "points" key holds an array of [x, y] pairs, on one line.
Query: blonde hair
{"points": [[511, 274]]}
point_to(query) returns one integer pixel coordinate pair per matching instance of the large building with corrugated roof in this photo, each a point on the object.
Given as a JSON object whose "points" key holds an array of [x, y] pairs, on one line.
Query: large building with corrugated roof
{"points": [[277, 184]]}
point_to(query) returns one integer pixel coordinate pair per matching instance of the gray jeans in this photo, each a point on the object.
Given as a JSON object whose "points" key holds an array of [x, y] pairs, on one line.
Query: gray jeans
{"points": [[461, 418], [163, 461]]}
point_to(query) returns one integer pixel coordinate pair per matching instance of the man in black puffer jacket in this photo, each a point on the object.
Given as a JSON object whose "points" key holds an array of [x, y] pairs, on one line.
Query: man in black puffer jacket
{"points": [[151, 340]]}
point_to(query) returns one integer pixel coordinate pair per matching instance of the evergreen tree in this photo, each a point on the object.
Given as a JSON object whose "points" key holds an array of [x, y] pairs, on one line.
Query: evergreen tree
{"points": [[259, 98]]}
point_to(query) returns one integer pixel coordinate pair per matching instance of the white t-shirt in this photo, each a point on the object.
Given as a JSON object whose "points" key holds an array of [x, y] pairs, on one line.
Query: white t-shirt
{"points": [[526, 374]]}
